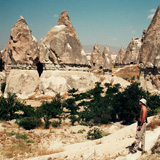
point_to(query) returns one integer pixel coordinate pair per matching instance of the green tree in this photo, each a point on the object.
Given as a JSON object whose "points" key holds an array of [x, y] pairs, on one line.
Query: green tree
{"points": [[126, 103], [50, 110], [9, 106]]}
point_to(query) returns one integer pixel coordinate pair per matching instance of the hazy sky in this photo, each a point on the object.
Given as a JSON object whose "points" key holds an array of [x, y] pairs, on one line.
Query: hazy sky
{"points": [[107, 22]]}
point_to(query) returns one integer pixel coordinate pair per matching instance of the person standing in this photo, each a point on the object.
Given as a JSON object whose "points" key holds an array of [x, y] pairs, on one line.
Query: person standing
{"points": [[141, 128]]}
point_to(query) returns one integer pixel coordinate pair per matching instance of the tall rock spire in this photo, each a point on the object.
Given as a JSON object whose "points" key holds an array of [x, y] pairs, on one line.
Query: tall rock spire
{"points": [[149, 56], [62, 45], [132, 51], [107, 59], [22, 47], [120, 56]]}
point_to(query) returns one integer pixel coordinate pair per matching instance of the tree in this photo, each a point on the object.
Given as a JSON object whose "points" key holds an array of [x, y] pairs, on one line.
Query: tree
{"points": [[50, 110], [9, 106], [126, 103]]}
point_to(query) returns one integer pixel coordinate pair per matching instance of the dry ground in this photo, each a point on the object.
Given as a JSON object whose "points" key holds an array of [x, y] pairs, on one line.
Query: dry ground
{"points": [[70, 142]]}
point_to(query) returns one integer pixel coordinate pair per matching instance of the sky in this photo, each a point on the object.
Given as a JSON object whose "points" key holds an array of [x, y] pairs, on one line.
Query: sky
{"points": [[104, 22]]}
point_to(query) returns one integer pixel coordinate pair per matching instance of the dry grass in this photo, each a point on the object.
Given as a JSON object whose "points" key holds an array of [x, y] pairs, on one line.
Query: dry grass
{"points": [[153, 124], [47, 152]]}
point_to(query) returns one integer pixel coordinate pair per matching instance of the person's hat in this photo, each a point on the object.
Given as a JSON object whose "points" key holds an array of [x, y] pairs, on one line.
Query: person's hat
{"points": [[143, 101]]}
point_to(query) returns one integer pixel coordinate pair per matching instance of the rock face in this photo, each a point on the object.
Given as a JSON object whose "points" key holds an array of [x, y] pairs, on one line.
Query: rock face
{"points": [[61, 44], [149, 56], [22, 47], [23, 83], [120, 56], [107, 59], [53, 82], [132, 52], [97, 60]]}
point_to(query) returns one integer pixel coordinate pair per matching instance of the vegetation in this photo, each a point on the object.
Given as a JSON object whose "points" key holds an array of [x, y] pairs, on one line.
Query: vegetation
{"points": [[100, 105], [29, 123], [50, 110], [94, 133]]}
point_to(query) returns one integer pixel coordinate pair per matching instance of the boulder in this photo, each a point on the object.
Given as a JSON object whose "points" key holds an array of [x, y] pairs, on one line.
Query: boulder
{"points": [[62, 45], [22, 47], [23, 83], [53, 82]]}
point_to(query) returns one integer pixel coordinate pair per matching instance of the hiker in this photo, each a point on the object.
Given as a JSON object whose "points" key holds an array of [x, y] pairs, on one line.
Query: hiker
{"points": [[141, 128]]}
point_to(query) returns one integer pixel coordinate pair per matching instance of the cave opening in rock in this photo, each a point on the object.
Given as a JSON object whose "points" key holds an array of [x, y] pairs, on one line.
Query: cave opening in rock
{"points": [[1, 65], [39, 68]]}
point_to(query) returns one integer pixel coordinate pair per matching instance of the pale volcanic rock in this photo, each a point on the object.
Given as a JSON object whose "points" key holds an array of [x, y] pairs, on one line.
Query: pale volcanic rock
{"points": [[62, 45], [149, 56], [97, 60], [22, 82], [107, 59], [53, 82], [22, 47], [132, 51], [150, 50], [120, 56]]}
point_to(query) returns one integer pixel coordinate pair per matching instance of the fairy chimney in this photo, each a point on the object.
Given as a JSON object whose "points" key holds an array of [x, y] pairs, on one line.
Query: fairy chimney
{"points": [[62, 45]]}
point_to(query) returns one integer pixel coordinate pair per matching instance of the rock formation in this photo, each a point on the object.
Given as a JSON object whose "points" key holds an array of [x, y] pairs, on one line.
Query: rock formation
{"points": [[53, 82], [120, 56], [107, 59], [22, 47], [23, 83], [62, 45], [97, 60], [132, 51], [149, 55]]}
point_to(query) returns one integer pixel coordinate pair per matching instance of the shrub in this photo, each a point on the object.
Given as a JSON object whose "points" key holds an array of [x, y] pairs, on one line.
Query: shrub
{"points": [[56, 124], [81, 131], [8, 107], [94, 133], [29, 123], [50, 110], [153, 124]]}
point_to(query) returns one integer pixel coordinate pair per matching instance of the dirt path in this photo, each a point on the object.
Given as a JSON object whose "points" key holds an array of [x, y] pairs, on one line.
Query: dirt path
{"points": [[115, 146]]}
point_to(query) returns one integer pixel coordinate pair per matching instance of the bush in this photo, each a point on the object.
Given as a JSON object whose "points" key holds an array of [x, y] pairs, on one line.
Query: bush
{"points": [[9, 107], [50, 110], [94, 133], [56, 124], [126, 104], [29, 123]]}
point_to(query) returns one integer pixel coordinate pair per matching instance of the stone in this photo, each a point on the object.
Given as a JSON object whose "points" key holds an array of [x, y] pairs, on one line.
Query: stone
{"points": [[97, 60], [107, 59], [62, 45], [120, 56], [54, 82], [22, 47], [23, 83], [149, 52], [149, 56], [132, 52]]}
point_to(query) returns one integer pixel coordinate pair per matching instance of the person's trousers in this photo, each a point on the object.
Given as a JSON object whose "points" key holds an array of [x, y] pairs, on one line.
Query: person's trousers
{"points": [[140, 137]]}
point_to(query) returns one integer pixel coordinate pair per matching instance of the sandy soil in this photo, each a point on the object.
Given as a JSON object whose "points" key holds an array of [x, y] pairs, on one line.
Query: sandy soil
{"points": [[70, 143]]}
